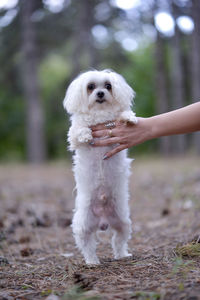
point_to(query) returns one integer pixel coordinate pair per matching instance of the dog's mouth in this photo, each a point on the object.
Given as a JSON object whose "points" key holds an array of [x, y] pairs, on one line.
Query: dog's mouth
{"points": [[100, 101]]}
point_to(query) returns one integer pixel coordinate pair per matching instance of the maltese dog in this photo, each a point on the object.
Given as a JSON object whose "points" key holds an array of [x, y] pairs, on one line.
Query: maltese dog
{"points": [[102, 185]]}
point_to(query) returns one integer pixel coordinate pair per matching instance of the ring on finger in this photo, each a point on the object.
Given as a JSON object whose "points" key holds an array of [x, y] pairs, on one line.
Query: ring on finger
{"points": [[110, 125], [110, 134]]}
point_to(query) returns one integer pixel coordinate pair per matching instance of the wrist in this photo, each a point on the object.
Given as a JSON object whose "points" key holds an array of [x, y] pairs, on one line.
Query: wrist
{"points": [[151, 128], [147, 128]]}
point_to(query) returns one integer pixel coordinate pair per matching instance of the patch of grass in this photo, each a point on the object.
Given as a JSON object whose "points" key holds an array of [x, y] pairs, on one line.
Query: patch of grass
{"points": [[182, 267], [46, 292], [76, 293], [190, 250], [27, 286], [141, 295], [181, 287]]}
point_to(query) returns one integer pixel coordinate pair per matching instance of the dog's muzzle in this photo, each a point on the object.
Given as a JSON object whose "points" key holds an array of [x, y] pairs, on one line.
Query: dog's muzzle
{"points": [[100, 98], [100, 101]]}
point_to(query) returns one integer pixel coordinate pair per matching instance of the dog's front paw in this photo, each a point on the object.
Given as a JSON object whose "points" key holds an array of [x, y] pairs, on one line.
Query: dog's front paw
{"points": [[128, 116], [84, 135]]}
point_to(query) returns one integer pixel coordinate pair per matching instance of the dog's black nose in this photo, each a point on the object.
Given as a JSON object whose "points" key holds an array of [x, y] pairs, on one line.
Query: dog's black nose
{"points": [[100, 94]]}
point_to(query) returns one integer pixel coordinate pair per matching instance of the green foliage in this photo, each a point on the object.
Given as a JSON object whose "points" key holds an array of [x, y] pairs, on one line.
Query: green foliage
{"points": [[53, 75], [12, 129], [142, 295], [188, 250], [182, 267], [140, 74]]}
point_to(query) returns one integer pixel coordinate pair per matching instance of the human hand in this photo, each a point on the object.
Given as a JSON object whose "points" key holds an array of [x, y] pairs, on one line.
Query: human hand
{"points": [[123, 134]]}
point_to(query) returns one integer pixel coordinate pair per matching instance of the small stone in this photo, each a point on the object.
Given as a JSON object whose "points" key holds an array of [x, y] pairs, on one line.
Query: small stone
{"points": [[52, 297], [165, 212], [2, 236], [24, 239], [3, 261], [26, 251], [64, 222]]}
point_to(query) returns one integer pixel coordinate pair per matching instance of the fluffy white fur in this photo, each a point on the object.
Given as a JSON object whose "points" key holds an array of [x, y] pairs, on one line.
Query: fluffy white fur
{"points": [[102, 185]]}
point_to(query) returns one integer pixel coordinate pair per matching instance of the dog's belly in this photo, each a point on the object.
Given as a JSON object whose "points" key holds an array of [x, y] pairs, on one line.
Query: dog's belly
{"points": [[94, 172], [101, 183], [103, 207]]}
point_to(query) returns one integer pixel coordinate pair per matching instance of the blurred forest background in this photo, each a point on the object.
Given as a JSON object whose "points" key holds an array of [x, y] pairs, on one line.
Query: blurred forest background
{"points": [[154, 44]]}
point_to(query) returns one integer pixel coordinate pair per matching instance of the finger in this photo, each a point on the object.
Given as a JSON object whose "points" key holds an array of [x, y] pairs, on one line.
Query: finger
{"points": [[114, 151], [102, 126], [98, 127], [105, 133], [105, 142], [100, 133]]}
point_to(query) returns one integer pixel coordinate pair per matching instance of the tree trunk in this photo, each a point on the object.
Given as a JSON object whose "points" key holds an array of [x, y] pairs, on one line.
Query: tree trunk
{"points": [[36, 147], [179, 141], [84, 55], [195, 63], [161, 89]]}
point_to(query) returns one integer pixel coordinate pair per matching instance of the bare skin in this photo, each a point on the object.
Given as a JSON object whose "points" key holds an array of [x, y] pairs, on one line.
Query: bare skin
{"points": [[125, 135]]}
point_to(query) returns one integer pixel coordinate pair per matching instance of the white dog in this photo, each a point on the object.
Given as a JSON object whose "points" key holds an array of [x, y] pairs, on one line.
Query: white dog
{"points": [[102, 185]]}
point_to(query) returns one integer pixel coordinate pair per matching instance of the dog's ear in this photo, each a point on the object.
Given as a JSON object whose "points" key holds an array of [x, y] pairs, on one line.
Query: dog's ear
{"points": [[74, 101], [122, 92]]}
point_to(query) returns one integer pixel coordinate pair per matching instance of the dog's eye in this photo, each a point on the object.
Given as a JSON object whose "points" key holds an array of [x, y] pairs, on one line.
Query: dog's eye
{"points": [[91, 86], [108, 86]]}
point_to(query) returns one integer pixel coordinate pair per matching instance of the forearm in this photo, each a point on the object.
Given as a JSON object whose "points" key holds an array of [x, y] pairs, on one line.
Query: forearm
{"points": [[184, 120], [125, 135]]}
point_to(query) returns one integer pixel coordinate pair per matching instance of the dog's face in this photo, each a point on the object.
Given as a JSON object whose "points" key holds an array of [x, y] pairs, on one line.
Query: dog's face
{"points": [[98, 90]]}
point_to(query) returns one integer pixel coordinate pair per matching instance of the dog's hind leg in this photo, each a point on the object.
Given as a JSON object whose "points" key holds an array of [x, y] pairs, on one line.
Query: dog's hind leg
{"points": [[120, 240], [85, 240]]}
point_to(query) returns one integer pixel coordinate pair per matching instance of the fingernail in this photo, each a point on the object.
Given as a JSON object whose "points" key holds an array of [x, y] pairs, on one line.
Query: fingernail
{"points": [[105, 157]]}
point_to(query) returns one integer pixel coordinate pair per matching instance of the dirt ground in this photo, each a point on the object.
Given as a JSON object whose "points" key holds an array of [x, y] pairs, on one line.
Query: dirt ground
{"points": [[38, 257]]}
